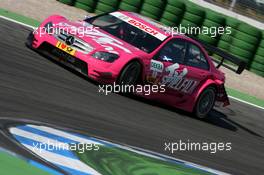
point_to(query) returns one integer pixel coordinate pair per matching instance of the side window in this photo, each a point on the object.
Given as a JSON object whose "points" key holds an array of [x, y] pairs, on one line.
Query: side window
{"points": [[195, 57], [173, 51]]}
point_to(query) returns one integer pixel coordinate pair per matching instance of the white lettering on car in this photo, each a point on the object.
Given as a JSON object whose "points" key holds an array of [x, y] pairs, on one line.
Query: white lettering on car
{"points": [[174, 79], [139, 25]]}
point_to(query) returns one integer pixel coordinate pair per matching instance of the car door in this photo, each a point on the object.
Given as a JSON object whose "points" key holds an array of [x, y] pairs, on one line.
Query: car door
{"points": [[166, 67], [196, 65]]}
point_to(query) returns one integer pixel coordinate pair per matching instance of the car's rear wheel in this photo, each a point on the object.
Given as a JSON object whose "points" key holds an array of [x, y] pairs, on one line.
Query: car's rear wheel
{"points": [[130, 74], [205, 102]]}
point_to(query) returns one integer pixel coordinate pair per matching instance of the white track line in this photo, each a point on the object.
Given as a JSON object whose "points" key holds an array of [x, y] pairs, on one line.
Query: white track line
{"points": [[243, 101], [64, 134], [237, 99], [17, 22], [38, 138]]}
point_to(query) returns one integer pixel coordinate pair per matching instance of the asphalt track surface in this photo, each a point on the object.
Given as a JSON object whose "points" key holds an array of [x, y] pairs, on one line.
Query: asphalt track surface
{"points": [[34, 87]]}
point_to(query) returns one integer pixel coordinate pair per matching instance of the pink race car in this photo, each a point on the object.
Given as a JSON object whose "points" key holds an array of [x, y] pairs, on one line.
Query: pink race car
{"points": [[129, 49]]}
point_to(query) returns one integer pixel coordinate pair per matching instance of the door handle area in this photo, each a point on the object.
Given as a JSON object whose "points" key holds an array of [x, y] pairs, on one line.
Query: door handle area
{"points": [[203, 74]]}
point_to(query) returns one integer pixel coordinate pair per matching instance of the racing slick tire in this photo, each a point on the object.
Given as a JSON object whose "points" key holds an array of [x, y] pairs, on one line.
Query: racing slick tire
{"points": [[30, 40], [130, 74], [205, 102]]}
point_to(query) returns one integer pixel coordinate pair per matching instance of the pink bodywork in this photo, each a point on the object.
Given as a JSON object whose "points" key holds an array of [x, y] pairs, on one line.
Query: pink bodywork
{"points": [[105, 72]]}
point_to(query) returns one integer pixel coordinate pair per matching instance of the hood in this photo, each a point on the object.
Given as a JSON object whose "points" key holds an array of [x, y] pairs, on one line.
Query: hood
{"points": [[99, 39]]}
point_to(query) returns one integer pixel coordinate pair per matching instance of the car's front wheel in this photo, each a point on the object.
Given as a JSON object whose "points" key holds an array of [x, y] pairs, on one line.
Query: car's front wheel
{"points": [[130, 74], [205, 102], [30, 40]]}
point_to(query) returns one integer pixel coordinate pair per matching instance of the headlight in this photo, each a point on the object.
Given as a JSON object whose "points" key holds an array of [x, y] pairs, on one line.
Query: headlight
{"points": [[49, 28], [105, 56]]}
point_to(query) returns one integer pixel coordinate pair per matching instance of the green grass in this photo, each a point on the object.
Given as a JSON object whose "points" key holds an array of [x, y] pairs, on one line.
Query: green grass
{"points": [[117, 161], [245, 97], [19, 18], [11, 165]]}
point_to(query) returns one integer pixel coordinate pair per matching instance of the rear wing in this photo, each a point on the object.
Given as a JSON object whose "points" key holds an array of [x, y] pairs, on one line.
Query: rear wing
{"points": [[239, 65]]}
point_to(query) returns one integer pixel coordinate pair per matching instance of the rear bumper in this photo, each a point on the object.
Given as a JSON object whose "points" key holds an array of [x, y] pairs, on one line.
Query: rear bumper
{"points": [[222, 97]]}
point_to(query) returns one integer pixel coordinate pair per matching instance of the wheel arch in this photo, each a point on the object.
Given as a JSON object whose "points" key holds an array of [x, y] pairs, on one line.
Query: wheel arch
{"points": [[53, 18], [208, 83], [135, 59]]}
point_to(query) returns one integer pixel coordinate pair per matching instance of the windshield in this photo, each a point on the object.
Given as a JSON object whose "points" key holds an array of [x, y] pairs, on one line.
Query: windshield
{"points": [[126, 32]]}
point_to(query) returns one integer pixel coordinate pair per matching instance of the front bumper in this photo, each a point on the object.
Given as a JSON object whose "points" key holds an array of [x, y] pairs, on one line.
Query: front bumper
{"points": [[97, 70]]}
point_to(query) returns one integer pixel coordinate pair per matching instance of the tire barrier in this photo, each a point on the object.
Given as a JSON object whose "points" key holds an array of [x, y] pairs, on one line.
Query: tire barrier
{"points": [[128, 5], [104, 6], [152, 9], [257, 65], [87, 5], [245, 41], [173, 12], [193, 17], [68, 2]]}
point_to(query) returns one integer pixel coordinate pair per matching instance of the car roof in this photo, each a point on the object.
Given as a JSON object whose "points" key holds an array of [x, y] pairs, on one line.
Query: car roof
{"points": [[163, 29], [160, 27]]}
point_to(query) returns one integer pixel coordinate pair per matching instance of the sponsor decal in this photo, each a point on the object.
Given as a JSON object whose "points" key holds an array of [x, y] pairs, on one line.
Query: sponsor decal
{"points": [[65, 48], [171, 76], [139, 25]]}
